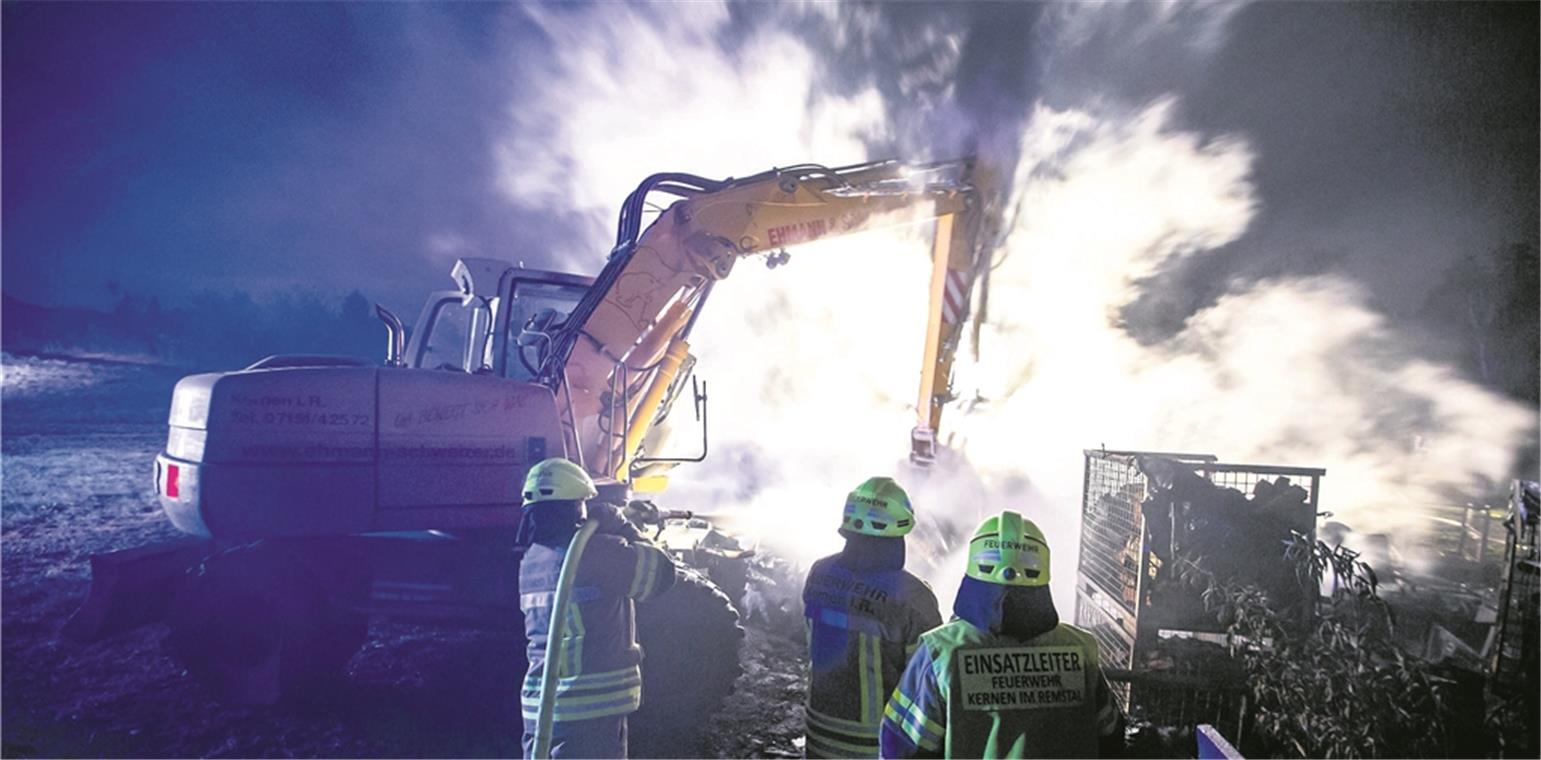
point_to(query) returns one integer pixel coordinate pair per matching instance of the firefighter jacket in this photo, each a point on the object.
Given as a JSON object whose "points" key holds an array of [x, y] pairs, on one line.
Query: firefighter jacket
{"points": [[600, 673], [970, 691], [865, 615]]}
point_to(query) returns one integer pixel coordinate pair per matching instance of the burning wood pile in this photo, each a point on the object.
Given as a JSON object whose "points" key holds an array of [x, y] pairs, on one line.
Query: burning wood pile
{"points": [[1163, 533], [1198, 530]]}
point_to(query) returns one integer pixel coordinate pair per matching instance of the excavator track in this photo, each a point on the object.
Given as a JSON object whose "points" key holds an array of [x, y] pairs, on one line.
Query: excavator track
{"points": [[260, 623]]}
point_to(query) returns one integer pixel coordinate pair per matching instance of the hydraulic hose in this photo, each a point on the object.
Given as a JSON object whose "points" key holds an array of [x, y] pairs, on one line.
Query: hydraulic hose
{"points": [[554, 638]]}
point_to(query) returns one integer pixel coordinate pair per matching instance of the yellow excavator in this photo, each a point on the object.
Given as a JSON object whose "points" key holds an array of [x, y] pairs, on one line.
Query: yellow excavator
{"points": [[616, 358], [316, 492]]}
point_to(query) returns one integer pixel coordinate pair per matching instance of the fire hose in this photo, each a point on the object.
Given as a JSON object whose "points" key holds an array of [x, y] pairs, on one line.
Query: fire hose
{"points": [[554, 638]]}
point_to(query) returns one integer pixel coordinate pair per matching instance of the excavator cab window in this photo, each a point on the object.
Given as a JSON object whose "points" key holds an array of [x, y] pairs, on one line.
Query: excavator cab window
{"points": [[451, 330], [537, 308]]}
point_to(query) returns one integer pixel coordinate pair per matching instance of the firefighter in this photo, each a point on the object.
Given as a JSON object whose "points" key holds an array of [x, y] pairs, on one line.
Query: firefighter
{"points": [[1005, 678], [599, 670], [864, 615]]}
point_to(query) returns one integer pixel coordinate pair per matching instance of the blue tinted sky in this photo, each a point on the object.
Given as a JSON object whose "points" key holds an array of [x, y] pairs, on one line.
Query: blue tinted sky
{"points": [[165, 148], [173, 147]]}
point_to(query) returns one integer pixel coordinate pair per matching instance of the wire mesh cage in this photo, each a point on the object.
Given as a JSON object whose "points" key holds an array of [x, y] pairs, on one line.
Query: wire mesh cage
{"points": [[1166, 656], [1112, 556]]}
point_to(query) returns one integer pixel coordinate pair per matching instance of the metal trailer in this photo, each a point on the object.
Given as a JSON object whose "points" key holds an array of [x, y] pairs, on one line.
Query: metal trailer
{"points": [[1188, 686]]}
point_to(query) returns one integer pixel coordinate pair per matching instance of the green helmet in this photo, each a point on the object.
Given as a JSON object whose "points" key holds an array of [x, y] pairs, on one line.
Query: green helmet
{"points": [[1010, 551], [878, 507], [557, 479]]}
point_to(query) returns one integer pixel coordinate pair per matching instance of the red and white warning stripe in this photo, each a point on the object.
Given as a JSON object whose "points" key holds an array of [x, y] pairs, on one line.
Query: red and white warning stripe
{"points": [[955, 299]]}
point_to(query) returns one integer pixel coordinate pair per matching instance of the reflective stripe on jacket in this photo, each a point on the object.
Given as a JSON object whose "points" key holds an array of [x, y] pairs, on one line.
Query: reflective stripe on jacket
{"points": [[970, 693], [599, 674], [862, 626]]}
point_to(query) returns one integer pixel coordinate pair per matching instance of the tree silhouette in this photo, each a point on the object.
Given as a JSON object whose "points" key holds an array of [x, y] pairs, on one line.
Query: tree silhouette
{"points": [[1490, 302]]}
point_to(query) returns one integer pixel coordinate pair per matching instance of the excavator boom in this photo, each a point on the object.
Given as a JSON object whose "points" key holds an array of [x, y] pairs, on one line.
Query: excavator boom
{"points": [[617, 357]]}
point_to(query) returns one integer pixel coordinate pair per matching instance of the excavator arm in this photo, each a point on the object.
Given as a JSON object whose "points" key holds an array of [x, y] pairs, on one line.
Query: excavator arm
{"points": [[618, 356]]}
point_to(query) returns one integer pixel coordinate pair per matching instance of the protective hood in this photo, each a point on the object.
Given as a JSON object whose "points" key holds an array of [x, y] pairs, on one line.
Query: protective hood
{"points": [[550, 523], [1021, 612], [871, 553]]}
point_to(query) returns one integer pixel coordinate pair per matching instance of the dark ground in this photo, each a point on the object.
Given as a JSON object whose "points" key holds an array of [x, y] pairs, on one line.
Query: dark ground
{"points": [[78, 447]]}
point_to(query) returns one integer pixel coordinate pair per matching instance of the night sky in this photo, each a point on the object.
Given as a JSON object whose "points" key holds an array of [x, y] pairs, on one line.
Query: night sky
{"points": [[174, 147], [164, 149]]}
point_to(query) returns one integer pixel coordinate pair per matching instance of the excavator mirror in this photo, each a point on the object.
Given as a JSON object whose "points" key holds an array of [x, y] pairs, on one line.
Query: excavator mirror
{"points": [[477, 278]]}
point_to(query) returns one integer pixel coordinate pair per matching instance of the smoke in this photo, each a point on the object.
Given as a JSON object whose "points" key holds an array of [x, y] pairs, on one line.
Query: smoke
{"points": [[1281, 371], [812, 367], [618, 92]]}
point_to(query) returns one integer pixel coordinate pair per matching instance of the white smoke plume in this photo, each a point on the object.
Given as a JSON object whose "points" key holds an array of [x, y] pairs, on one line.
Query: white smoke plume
{"points": [[812, 367], [622, 91], [1290, 371]]}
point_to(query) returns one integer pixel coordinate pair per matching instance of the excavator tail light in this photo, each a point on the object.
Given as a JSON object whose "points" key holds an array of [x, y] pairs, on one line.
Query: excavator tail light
{"points": [[173, 474]]}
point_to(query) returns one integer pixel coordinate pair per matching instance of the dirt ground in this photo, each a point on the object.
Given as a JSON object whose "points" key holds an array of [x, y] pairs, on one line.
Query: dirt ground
{"points": [[78, 448], [764, 717]]}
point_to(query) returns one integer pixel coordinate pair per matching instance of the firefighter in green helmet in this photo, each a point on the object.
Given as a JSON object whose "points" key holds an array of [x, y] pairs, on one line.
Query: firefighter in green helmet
{"points": [[599, 676], [1005, 678], [864, 616]]}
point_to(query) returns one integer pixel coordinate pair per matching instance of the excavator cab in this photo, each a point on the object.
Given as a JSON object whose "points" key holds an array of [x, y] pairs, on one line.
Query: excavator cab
{"points": [[496, 322]]}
